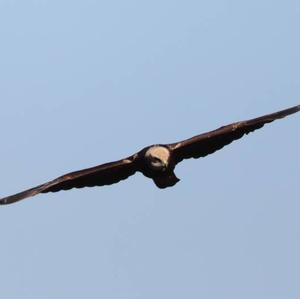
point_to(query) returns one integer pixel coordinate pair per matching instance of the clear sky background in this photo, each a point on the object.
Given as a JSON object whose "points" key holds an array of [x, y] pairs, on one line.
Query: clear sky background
{"points": [[87, 82]]}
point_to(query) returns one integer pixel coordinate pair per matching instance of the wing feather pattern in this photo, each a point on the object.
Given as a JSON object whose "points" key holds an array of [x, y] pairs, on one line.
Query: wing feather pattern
{"points": [[105, 174], [207, 143]]}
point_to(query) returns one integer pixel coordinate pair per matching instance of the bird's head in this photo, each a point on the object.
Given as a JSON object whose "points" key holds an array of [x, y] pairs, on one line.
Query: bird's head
{"points": [[157, 158]]}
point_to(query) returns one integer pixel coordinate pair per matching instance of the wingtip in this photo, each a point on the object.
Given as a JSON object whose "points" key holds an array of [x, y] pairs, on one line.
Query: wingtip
{"points": [[20, 196], [284, 113], [3, 201], [294, 109], [9, 200]]}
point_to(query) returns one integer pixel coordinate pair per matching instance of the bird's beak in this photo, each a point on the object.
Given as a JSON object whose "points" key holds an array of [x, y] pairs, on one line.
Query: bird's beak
{"points": [[165, 165]]}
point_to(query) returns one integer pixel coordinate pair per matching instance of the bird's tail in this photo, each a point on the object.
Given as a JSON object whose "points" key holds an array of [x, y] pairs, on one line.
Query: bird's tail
{"points": [[167, 180]]}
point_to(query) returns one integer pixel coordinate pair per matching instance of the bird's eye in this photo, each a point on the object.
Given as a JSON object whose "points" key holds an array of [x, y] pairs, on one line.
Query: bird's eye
{"points": [[155, 159]]}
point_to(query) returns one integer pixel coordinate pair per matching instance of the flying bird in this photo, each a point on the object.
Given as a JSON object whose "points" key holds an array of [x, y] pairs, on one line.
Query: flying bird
{"points": [[156, 162]]}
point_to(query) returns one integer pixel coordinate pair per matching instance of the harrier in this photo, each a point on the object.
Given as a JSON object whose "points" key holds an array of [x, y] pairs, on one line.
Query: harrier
{"points": [[156, 162]]}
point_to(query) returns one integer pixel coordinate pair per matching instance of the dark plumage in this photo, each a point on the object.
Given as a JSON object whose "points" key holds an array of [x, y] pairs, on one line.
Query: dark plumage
{"points": [[156, 162]]}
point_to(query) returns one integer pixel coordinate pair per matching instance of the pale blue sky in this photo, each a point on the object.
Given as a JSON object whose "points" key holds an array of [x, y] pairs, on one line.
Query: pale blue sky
{"points": [[86, 82]]}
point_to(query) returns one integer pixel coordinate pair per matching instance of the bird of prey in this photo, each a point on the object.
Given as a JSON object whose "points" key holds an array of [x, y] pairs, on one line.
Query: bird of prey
{"points": [[156, 162]]}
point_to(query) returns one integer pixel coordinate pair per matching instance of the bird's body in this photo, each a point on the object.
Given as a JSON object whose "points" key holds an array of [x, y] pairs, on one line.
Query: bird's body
{"points": [[156, 162]]}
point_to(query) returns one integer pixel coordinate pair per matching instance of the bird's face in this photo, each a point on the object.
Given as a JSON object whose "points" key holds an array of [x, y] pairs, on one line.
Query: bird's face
{"points": [[157, 158]]}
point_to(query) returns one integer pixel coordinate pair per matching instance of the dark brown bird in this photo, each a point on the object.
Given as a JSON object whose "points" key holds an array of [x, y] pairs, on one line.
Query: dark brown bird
{"points": [[156, 162]]}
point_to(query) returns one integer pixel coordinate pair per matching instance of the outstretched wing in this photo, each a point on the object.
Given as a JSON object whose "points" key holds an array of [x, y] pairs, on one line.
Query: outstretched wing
{"points": [[207, 143], [105, 174]]}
